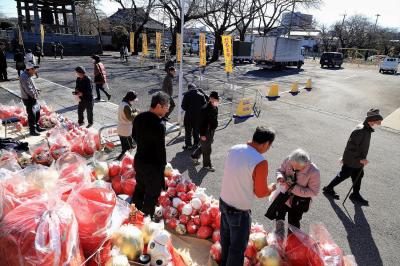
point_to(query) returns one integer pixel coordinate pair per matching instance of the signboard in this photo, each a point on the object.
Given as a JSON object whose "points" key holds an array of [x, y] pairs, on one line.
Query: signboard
{"points": [[42, 34], [227, 46], [145, 51], [178, 48], [202, 50], [158, 45], [132, 41]]}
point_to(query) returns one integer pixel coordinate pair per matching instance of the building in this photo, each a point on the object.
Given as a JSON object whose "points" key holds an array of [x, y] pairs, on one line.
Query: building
{"points": [[59, 21], [298, 19]]}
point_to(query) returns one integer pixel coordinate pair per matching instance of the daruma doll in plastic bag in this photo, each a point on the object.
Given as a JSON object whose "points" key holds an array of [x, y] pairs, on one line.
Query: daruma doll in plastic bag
{"points": [[93, 205], [37, 233], [41, 155], [301, 249]]}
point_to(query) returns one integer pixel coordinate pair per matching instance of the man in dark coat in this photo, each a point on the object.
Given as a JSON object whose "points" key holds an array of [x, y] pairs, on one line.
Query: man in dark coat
{"points": [[355, 157], [150, 159], [60, 49], [38, 52], [84, 92], [19, 59], [3, 63], [208, 124], [168, 88], [192, 102]]}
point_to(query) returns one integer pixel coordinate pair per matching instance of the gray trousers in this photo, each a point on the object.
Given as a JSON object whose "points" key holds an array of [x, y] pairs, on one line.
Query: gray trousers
{"points": [[205, 149]]}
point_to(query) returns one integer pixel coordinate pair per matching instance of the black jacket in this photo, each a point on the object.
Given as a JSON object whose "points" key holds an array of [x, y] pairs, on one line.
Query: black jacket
{"points": [[84, 86], [3, 60], [192, 102], [209, 119], [37, 51], [357, 146], [148, 131]]}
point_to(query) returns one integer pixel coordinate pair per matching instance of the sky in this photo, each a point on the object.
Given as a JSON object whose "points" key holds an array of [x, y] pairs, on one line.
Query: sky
{"points": [[328, 13]]}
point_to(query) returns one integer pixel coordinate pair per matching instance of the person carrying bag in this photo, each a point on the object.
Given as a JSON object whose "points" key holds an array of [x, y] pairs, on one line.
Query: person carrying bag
{"points": [[100, 78]]}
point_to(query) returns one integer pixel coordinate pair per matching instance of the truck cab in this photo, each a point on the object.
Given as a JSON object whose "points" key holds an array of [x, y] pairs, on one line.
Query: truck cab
{"points": [[389, 64], [331, 59]]}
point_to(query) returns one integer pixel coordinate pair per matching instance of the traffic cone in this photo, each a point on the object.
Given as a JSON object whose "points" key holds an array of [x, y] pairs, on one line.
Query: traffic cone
{"points": [[244, 108], [273, 92], [294, 89], [308, 85]]}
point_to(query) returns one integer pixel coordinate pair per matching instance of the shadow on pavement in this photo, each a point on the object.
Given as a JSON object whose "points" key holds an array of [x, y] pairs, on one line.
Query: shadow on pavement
{"points": [[183, 163], [361, 242], [270, 74], [332, 68], [67, 109]]}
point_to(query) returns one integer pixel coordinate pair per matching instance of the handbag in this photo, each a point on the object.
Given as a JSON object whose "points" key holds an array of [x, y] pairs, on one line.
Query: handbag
{"points": [[276, 205]]}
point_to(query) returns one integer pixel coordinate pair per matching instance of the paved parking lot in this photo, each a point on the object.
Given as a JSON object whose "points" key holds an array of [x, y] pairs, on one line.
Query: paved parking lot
{"points": [[319, 121]]}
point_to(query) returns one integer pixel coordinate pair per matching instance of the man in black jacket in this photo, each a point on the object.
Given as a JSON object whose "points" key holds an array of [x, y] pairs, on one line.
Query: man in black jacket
{"points": [[355, 157], [3, 63], [168, 88], [208, 124], [150, 159], [83, 90], [193, 101]]}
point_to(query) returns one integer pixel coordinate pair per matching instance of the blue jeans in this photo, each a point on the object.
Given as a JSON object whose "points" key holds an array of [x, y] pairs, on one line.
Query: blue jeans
{"points": [[235, 231]]}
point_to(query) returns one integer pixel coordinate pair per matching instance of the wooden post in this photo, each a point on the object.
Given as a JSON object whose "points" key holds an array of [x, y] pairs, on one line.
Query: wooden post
{"points": [[19, 10], [36, 16], [27, 17], [64, 12], [74, 20], [56, 18]]}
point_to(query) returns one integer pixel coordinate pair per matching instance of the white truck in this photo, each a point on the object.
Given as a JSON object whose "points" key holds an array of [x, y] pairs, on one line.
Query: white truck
{"points": [[389, 64], [270, 52]]}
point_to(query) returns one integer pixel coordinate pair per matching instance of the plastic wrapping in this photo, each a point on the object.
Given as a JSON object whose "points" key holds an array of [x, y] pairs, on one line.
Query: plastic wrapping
{"points": [[27, 184], [41, 155], [301, 249], [331, 254], [93, 205], [128, 182], [59, 144], [40, 233], [9, 160]]}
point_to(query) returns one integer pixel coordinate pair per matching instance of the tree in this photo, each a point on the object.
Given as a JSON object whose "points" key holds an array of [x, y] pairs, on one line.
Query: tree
{"points": [[119, 35], [91, 17], [271, 10], [139, 14], [248, 10], [195, 10], [327, 38]]}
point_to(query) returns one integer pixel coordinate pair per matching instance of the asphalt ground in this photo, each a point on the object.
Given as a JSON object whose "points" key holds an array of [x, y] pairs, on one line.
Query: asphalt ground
{"points": [[319, 121]]}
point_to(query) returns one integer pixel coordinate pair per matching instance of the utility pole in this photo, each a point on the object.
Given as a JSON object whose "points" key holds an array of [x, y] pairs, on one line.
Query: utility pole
{"points": [[341, 28], [376, 21], [291, 18]]}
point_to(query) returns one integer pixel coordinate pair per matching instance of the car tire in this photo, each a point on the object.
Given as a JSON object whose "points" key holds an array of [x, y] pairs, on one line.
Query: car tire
{"points": [[380, 70], [340, 66], [322, 66]]}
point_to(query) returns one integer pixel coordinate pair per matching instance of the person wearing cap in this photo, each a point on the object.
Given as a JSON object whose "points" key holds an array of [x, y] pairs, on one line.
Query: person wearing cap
{"points": [[83, 89], [168, 88], [193, 101], [245, 178], [29, 95], [29, 57], [126, 114], [99, 77], [3, 63], [207, 126], [355, 157]]}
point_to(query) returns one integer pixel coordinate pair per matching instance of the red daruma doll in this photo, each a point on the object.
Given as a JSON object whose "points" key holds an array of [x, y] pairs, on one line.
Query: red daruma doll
{"points": [[93, 205]]}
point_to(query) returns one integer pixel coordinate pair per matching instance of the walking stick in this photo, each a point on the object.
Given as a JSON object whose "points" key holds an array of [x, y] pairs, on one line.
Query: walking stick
{"points": [[358, 178]]}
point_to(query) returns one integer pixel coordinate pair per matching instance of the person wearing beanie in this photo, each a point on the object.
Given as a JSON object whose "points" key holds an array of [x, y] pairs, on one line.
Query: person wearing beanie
{"points": [[100, 78], [207, 126], [126, 114], [83, 90], [193, 101], [355, 157]]}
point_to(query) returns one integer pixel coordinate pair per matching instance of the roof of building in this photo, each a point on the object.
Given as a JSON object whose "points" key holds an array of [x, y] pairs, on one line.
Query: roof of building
{"points": [[122, 17]]}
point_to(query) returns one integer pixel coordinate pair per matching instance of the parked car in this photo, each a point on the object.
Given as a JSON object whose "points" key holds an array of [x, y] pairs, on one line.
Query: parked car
{"points": [[389, 64], [331, 59]]}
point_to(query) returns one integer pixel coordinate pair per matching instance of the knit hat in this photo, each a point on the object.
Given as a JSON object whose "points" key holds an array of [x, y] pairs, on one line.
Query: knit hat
{"points": [[192, 86], [30, 65], [214, 95], [373, 115], [80, 69], [96, 58]]}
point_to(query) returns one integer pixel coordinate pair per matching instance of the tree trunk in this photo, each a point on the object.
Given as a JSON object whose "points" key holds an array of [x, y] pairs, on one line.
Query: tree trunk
{"points": [[242, 35], [217, 46]]}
